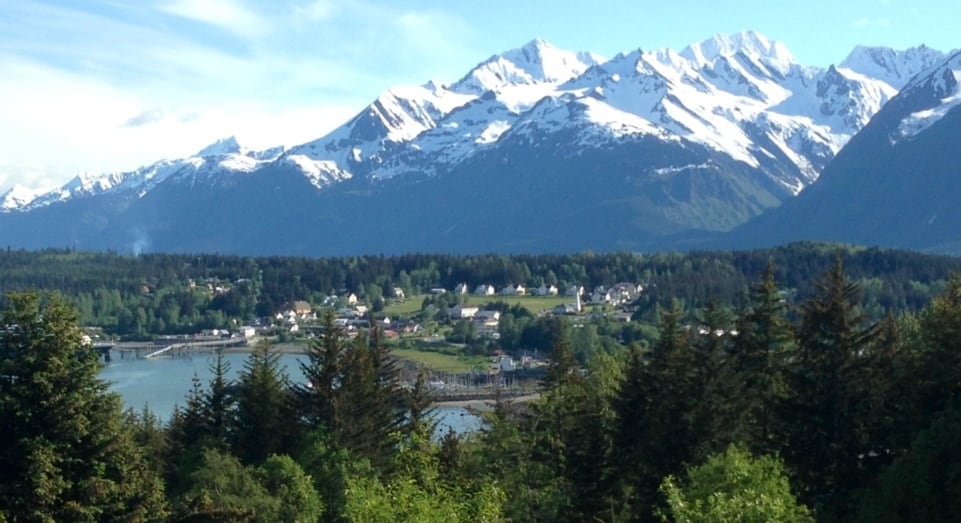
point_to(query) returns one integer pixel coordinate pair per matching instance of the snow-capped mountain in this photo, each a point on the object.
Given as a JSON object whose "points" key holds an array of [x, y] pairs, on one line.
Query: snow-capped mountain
{"points": [[18, 197], [894, 185], [214, 164], [896, 68], [742, 95], [651, 142]]}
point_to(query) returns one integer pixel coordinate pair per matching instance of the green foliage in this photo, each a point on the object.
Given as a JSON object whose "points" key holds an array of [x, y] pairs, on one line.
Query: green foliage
{"points": [[66, 454], [264, 408], [139, 296], [733, 487], [924, 484], [287, 482], [827, 404], [223, 489]]}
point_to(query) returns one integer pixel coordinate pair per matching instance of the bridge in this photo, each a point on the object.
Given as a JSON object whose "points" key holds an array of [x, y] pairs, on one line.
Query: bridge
{"points": [[154, 349]]}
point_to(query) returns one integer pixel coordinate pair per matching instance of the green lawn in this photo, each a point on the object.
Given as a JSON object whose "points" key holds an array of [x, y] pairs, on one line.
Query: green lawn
{"points": [[534, 304], [441, 362]]}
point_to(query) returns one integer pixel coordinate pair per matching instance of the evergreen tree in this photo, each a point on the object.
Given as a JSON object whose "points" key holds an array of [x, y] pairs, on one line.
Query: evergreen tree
{"points": [[324, 372], [218, 402], [941, 359], [714, 416], [420, 416], [65, 454], [186, 437], [371, 402], [655, 432], [761, 348], [828, 407], [264, 408]]}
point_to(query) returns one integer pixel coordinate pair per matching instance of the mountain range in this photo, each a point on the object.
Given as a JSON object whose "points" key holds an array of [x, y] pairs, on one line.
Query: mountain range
{"points": [[729, 142]]}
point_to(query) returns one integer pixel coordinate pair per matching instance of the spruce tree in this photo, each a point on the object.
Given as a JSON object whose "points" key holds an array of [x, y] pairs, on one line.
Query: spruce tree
{"points": [[264, 415], [65, 454], [218, 402], [828, 382], [324, 373], [762, 347]]}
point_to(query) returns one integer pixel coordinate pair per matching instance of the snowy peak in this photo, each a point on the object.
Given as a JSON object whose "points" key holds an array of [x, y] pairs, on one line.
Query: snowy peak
{"points": [[894, 67], [749, 43], [932, 95], [17, 198], [536, 62], [221, 147]]}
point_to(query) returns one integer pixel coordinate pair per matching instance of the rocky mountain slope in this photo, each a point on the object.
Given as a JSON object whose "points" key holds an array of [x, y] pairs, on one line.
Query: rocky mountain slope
{"points": [[896, 183]]}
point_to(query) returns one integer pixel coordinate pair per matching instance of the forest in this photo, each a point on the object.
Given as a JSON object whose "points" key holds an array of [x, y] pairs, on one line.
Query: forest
{"points": [[136, 297], [778, 397]]}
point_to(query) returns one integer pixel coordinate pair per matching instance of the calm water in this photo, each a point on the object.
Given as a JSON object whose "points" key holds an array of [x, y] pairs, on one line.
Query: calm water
{"points": [[161, 383]]}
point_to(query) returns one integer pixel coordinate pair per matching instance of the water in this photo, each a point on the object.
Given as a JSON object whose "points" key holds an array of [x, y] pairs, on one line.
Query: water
{"points": [[163, 382]]}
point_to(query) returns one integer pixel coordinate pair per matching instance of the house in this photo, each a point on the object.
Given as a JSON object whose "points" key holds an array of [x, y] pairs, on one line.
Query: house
{"points": [[247, 331], [567, 308], [351, 299], [485, 290], [486, 315], [511, 290], [546, 290], [436, 291], [461, 288], [574, 290], [463, 312], [399, 293], [601, 297]]}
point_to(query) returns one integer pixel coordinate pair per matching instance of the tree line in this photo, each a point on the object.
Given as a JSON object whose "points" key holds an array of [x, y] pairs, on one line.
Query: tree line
{"points": [[151, 294]]}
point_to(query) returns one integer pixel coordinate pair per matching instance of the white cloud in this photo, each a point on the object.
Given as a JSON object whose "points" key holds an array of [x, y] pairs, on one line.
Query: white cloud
{"points": [[123, 84], [226, 14]]}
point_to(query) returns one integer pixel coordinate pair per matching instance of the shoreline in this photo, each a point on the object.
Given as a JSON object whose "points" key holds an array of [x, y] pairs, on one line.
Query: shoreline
{"points": [[482, 403]]}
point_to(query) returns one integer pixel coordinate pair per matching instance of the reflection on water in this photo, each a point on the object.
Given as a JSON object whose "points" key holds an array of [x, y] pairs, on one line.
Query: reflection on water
{"points": [[161, 383]]}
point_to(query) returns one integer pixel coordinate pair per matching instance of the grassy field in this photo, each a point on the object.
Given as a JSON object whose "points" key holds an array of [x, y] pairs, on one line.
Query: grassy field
{"points": [[534, 304], [441, 362]]}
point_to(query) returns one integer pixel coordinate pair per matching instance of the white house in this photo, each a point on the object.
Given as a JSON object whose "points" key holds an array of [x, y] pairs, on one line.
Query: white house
{"points": [[546, 290], [485, 290], [247, 331], [463, 312], [461, 288], [398, 293]]}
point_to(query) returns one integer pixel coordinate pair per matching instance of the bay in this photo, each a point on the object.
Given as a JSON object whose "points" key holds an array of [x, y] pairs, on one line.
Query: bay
{"points": [[162, 383]]}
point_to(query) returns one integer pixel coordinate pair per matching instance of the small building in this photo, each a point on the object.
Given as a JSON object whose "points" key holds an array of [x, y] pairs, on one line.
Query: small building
{"points": [[546, 290], [399, 293], [247, 331], [485, 290], [461, 288], [463, 312]]}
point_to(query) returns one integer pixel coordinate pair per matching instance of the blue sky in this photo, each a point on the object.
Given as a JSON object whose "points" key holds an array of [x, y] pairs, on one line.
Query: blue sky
{"points": [[106, 85]]}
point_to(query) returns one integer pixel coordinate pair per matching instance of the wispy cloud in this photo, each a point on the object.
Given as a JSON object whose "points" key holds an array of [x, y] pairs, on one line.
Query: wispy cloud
{"points": [[124, 83], [146, 117], [226, 14]]}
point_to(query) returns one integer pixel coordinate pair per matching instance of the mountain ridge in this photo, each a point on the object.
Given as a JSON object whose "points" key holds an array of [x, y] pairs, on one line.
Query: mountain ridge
{"points": [[734, 128]]}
